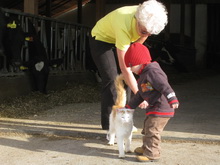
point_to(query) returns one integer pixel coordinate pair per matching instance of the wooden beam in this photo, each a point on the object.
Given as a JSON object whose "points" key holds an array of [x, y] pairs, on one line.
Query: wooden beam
{"points": [[31, 6]]}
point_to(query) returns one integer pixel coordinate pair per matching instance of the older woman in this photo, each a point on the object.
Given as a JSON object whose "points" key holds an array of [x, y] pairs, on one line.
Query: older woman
{"points": [[119, 29]]}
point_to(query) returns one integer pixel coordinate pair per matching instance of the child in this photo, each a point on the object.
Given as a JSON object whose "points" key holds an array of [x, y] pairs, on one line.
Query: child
{"points": [[154, 88]]}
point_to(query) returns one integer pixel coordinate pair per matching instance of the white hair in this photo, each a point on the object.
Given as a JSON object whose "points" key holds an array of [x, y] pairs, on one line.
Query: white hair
{"points": [[152, 15]]}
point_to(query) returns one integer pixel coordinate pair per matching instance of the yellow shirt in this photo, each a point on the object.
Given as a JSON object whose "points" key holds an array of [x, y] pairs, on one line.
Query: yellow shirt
{"points": [[118, 27]]}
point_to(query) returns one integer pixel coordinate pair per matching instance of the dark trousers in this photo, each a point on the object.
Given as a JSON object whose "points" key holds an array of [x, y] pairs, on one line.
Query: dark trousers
{"points": [[106, 61]]}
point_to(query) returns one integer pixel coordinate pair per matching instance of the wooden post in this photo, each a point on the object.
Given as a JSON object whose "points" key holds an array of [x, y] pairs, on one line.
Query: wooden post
{"points": [[100, 9], [48, 8], [193, 20], [31, 6], [167, 28], [79, 13], [182, 22]]}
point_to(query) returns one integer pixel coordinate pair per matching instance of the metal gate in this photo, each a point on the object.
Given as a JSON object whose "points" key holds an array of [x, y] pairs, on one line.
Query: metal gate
{"points": [[60, 39]]}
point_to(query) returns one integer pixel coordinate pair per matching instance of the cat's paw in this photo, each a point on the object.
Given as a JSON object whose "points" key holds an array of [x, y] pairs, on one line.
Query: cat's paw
{"points": [[121, 156], [110, 143], [107, 136], [129, 151]]}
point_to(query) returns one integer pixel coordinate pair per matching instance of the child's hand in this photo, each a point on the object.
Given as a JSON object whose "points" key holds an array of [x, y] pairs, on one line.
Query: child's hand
{"points": [[143, 105], [175, 105]]}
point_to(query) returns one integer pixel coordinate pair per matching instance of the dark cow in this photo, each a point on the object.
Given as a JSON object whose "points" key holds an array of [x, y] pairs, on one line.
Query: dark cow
{"points": [[12, 38], [159, 52], [11, 41], [165, 53], [38, 63]]}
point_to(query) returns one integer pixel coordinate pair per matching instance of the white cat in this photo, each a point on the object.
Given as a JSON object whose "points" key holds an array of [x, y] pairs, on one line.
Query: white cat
{"points": [[121, 120]]}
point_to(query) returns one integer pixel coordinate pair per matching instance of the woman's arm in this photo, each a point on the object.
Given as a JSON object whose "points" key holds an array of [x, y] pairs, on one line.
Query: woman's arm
{"points": [[128, 75], [142, 39]]}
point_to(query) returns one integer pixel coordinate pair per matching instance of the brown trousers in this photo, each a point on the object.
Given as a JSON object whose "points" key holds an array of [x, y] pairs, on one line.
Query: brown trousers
{"points": [[153, 126]]}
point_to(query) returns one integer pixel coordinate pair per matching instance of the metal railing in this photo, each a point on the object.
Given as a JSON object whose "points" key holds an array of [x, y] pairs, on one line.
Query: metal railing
{"points": [[61, 40]]}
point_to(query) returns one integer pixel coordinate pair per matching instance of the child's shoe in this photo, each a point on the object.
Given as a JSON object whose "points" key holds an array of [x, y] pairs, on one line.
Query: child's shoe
{"points": [[146, 159], [139, 151]]}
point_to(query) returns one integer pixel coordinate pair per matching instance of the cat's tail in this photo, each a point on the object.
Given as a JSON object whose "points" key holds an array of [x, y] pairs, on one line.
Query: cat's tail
{"points": [[121, 92]]}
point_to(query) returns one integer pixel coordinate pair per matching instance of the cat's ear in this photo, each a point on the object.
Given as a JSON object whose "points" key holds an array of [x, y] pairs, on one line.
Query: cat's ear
{"points": [[121, 110], [130, 110], [118, 110]]}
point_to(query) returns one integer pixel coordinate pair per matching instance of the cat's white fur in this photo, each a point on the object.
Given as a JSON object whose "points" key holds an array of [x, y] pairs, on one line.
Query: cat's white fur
{"points": [[121, 120]]}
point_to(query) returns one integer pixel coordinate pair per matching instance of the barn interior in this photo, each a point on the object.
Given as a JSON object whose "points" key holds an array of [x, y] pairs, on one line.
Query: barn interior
{"points": [[63, 127], [193, 27]]}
